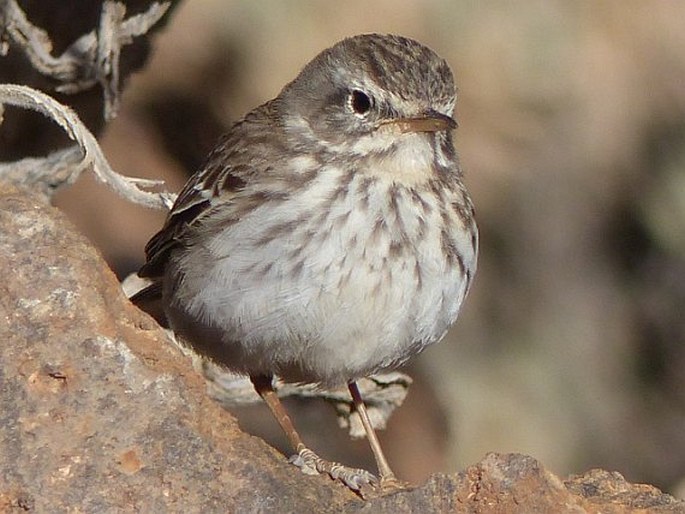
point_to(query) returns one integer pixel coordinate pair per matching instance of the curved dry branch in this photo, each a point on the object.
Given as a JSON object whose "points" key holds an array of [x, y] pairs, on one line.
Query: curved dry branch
{"points": [[91, 59], [128, 187]]}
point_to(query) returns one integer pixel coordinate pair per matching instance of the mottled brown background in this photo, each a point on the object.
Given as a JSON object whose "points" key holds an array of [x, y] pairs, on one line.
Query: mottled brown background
{"points": [[571, 347]]}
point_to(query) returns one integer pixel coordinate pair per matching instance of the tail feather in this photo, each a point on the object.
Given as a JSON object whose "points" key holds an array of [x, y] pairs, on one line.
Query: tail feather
{"points": [[149, 299]]}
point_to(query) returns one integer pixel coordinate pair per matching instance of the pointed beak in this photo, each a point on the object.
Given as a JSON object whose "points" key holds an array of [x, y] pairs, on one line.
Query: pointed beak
{"points": [[430, 121]]}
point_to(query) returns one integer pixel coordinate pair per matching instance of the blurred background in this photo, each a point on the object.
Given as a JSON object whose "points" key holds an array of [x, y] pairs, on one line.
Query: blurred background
{"points": [[571, 346]]}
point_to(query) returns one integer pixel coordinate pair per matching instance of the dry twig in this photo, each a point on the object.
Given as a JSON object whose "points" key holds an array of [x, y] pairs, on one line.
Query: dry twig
{"points": [[91, 59], [63, 167]]}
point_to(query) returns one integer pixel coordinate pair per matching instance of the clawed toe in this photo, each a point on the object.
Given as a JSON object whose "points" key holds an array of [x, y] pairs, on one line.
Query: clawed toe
{"points": [[311, 464], [391, 484]]}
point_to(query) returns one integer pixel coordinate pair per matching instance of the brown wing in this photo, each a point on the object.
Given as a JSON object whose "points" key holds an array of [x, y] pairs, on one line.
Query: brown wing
{"points": [[228, 169]]}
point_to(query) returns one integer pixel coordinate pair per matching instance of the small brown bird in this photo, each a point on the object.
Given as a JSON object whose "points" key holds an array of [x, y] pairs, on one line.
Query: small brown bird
{"points": [[329, 235]]}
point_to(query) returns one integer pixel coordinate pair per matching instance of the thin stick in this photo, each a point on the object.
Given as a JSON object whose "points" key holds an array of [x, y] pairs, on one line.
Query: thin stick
{"points": [[65, 117]]}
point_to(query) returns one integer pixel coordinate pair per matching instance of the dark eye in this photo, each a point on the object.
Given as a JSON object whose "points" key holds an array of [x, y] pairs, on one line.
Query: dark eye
{"points": [[360, 102]]}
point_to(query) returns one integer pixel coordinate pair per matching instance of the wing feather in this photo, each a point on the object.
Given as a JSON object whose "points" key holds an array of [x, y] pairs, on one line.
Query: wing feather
{"points": [[227, 170]]}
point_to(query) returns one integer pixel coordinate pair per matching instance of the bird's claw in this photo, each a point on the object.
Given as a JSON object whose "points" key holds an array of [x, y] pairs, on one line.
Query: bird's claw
{"points": [[390, 484], [311, 464]]}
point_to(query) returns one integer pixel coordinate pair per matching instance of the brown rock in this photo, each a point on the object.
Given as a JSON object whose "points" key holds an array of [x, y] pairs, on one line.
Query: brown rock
{"points": [[513, 483], [608, 492], [99, 413]]}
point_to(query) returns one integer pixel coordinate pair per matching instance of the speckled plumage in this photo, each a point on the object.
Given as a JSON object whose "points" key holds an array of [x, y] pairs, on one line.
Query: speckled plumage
{"points": [[319, 244], [329, 235]]}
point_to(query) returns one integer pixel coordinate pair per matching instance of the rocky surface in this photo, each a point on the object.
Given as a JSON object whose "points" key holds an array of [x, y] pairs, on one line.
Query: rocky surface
{"points": [[99, 413]]}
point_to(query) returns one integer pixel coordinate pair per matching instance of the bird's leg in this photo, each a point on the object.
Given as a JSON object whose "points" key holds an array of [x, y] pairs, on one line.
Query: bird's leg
{"points": [[388, 479], [264, 387], [308, 461]]}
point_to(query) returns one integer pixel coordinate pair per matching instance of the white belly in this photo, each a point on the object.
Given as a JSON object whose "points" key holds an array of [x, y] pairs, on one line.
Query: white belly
{"points": [[327, 298]]}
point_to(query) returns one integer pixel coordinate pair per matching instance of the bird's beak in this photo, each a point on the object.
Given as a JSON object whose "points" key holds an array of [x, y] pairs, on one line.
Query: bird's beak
{"points": [[430, 121]]}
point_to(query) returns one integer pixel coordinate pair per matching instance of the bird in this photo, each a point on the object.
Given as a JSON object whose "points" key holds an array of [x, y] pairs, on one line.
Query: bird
{"points": [[329, 234]]}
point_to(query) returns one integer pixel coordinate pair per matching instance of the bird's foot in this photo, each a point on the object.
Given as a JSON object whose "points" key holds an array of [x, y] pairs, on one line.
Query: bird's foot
{"points": [[311, 464], [392, 484]]}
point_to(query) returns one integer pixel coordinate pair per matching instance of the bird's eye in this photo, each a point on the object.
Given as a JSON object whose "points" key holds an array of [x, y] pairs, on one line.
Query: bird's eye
{"points": [[360, 102]]}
